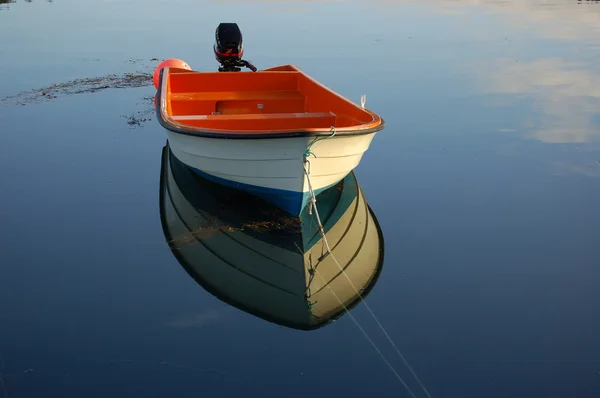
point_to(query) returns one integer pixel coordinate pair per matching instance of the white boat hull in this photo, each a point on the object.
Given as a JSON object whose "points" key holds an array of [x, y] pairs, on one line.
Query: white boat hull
{"points": [[272, 168]]}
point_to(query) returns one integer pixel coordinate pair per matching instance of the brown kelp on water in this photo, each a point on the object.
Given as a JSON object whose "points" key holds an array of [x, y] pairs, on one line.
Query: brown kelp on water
{"points": [[5, 4], [137, 119], [80, 86], [88, 85]]}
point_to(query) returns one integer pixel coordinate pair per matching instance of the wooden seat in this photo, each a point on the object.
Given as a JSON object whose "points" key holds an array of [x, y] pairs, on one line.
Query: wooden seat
{"points": [[256, 116], [260, 121], [236, 95]]}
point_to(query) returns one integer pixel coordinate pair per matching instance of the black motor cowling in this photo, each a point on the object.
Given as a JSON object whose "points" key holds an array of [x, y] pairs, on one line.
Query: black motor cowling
{"points": [[229, 48]]}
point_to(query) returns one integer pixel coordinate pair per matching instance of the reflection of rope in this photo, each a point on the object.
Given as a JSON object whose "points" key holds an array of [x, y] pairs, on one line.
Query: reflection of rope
{"points": [[313, 205], [307, 293], [368, 338]]}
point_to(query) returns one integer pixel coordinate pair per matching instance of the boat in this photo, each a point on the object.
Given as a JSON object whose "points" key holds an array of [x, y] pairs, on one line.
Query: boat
{"points": [[257, 258], [276, 133]]}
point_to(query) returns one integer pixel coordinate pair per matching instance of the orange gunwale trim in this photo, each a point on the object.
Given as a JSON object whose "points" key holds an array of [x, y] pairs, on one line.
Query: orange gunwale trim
{"points": [[292, 123]]}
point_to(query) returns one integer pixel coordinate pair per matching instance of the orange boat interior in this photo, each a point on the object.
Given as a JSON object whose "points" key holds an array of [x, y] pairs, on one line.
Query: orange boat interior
{"points": [[274, 100]]}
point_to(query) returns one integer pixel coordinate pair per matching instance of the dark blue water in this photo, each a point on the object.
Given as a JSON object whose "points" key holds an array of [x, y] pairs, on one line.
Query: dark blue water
{"points": [[485, 183]]}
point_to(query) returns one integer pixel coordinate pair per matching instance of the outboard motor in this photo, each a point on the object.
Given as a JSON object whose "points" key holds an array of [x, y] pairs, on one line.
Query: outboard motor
{"points": [[229, 48]]}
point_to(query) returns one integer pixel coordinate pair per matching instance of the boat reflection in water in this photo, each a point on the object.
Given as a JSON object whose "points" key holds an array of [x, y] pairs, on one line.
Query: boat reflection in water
{"points": [[259, 259]]}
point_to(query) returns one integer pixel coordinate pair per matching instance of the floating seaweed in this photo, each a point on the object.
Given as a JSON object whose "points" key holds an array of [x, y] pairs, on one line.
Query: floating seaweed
{"points": [[92, 85], [140, 117], [7, 2], [81, 86]]}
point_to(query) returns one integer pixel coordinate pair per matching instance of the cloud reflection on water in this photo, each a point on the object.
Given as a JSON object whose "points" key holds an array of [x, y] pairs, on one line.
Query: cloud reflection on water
{"points": [[566, 96], [565, 93]]}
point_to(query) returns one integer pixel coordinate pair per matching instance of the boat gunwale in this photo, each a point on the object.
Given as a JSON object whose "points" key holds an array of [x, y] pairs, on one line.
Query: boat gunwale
{"points": [[170, 124]]}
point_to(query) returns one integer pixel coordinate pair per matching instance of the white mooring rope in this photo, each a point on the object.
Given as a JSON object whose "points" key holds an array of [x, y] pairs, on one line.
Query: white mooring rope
{"points": [[313, 206]]}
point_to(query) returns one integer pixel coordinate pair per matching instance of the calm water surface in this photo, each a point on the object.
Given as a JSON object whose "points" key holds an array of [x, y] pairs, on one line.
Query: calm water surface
{"points": [[485, 183]]}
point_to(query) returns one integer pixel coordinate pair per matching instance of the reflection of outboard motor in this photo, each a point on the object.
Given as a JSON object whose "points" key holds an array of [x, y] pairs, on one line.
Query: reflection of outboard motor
{"points": [[229, 48]]}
